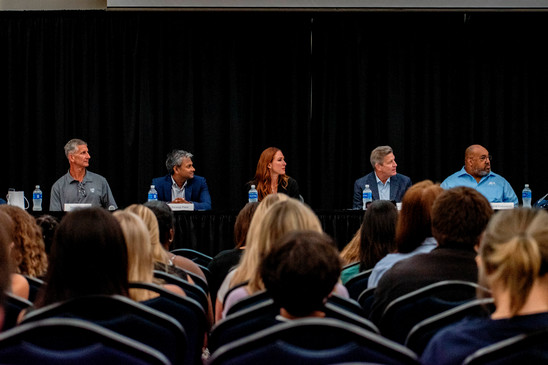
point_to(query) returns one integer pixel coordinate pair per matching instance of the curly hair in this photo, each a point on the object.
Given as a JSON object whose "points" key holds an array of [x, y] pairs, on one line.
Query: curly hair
{"points": [[262, 178], [29, 252]]}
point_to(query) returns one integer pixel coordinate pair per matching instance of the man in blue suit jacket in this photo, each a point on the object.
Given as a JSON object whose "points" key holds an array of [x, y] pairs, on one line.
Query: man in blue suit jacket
{"points": [[385, 183], [181, 185]]}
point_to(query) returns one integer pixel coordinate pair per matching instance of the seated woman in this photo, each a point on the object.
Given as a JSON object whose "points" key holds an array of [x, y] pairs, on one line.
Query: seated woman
{"points": [[513, 263], [270, 175], [414, 228], [377, 237], [140, 262], [351, 252], [17, 283]]}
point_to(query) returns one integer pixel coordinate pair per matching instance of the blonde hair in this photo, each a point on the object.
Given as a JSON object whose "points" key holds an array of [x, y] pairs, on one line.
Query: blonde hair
{"points": [[283, 216], [514, 252], [140, 264], [29, 252], [159, 254], [351, 252]]}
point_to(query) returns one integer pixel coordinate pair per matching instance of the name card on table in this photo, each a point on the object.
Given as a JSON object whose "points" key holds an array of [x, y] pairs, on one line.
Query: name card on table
{"points": [[68, 207], [502, 206], [176, 207]]}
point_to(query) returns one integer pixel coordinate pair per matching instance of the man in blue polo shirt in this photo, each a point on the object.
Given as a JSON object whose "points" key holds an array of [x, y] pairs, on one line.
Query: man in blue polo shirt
{"points": [[477, 174]]}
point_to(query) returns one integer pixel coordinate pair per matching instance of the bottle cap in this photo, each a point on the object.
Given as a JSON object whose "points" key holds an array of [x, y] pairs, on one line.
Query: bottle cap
{"points": [[152, 186], [526, 185], [37, 186], [252, 186]]}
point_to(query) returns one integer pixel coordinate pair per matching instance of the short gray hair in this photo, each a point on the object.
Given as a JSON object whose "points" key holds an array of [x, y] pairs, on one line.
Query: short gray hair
{"points": [[175, 158], [72, 146], [378, 155]]}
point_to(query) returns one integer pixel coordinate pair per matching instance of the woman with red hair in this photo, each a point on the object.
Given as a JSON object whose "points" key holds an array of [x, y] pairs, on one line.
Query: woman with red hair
{"points": [[270, 175]]}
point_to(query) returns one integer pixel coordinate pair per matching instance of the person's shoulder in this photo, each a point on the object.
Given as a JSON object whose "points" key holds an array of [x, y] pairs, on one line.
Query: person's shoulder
{"points": [[160, 179], [403, 178], [369, 176], [199, 179], [93, 176]]}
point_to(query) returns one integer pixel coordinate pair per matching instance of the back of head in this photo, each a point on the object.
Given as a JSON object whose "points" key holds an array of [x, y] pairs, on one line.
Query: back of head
{"points": [[48, 224], [88, 256], [514, 252], [29, 252], [301, 271], [243, 220], [148, 217], [5, 260], [378, 230], [165, 217], [459, 216], [415, 219]]}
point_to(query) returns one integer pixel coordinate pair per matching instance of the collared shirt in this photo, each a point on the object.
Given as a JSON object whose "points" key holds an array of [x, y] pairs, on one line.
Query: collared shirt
{"points": [[389, 260], [384, 189], [176, 191], [493, 186], [93, 189]]}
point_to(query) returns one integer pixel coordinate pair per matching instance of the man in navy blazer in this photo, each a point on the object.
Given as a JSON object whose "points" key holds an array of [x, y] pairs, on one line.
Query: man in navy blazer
{"points": [[181, 185], [385, 183]]}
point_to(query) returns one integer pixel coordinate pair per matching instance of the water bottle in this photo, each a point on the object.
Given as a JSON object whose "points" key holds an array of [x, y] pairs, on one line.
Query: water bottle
{"points": [[253, 195], [37, 199], [367, 196], [152, 194], [526, 195]]}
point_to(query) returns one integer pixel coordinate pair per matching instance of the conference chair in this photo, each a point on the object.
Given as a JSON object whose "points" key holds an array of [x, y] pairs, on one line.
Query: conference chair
{"points": [[404, 312], [12, 307], [526, 348], [191, 290], [422, 332], [357, 284], [199, 281], [247, 302], [35, 285], [365, 300], [352, 264], [337, 312], [188, 312], [314, 341], [124, 316], [68, 341], [348, 304], [198, 257]]}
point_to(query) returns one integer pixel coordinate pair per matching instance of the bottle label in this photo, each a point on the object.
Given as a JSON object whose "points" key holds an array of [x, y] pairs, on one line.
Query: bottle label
{"points": [[152, 196], [526, 195], [367, 196], [253, 196], [36, 196]]}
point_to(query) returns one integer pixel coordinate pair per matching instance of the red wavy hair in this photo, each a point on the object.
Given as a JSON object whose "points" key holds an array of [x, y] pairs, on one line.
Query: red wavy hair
{"points": [[263, 178]]}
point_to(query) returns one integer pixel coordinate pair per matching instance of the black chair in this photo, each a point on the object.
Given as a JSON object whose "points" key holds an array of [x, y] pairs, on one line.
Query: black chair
{"points": [[12, 307], [199, 281], [357, 284], [35, 285], [312, 341], [352, 264], [67, 341], [527, 348], [365, 300], [188, 312], [191, 290], [337, 312], [403, 313], [349, 305], [247, 302], [124, 316], [422, 332], [198, 257]]}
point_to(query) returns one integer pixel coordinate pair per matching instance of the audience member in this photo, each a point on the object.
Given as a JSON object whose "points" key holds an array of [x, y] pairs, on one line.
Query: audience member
{"points": [[414, 228], [5, 263], [166, 225], [140, 262], [385, 183], [88, 257], [225, 260], [48, 224], [180, 185], [513, 263], [29, 253], [270, 175], [476, 173], [80, 185], [300, 272], [351, 252], [459, 216], [378, 230], [17, 284]]}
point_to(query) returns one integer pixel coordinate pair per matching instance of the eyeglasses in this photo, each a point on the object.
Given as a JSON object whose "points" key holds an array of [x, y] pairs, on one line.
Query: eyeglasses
{"points": [[82, 189], [483, 158]]}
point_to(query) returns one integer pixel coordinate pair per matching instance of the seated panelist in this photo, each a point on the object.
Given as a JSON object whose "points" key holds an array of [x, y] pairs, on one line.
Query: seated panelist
{"points": [[181, 185]]}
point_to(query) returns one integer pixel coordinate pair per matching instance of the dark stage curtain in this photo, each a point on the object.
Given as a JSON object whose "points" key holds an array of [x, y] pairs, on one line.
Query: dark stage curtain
{"points": [[324, 87]]}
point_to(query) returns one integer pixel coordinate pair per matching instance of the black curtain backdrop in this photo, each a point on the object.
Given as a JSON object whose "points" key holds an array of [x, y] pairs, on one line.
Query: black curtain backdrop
{"points": [[325, 87]]}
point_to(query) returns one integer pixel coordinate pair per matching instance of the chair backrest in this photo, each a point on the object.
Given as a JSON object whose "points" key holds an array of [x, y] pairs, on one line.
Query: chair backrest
{"points": [[198, 280], [186, 311], [12, 307], [66, 341], [248, 301], [365, 300], [358, 283], [349, 305], [527, 348], [35, 285], [422, 332], [191, 290], [404, 312], [312, 341], [125, 316], [196, 256], [352, 264], [337, 312]]}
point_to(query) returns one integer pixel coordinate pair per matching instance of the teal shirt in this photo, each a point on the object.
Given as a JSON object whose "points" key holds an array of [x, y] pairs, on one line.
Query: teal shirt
{"points": [[349, 273]]}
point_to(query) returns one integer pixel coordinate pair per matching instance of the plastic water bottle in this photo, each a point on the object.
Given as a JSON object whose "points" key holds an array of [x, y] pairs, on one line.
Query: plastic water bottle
{"points": [[253, 195], [526, 195], [37, 199], [152, 193], [367, 196]]}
